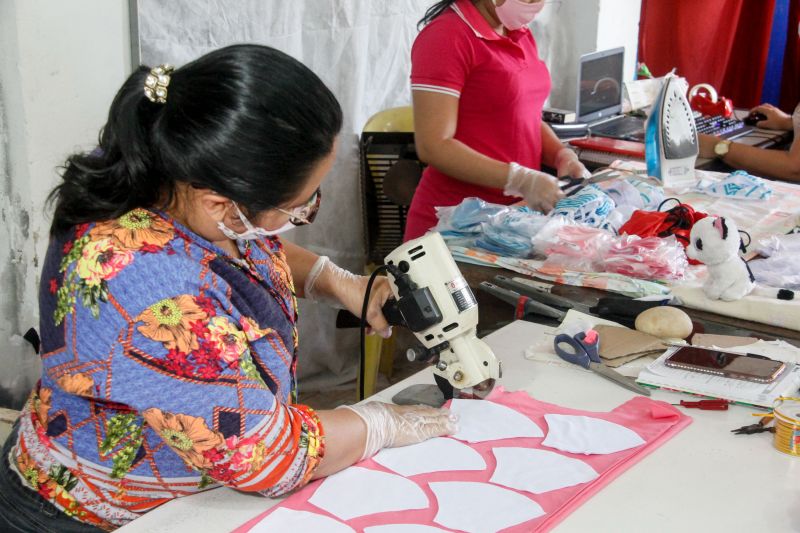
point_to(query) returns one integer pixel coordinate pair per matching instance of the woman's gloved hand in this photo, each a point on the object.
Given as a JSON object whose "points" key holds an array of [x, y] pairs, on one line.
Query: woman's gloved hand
{"points": [[390, 426], [330, 284], [539, 189], [568, 164]]}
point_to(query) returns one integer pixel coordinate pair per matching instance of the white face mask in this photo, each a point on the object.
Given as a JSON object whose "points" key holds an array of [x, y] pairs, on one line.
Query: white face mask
{"points": [[252, 232], [515, 14]]}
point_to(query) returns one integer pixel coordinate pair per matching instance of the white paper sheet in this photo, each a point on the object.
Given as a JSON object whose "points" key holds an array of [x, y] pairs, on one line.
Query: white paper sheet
{"points": [[283, 520], [403, 528], [358, 491], [482, 420], [538, 471], [435, 455], [587, 435], [480, 507]]}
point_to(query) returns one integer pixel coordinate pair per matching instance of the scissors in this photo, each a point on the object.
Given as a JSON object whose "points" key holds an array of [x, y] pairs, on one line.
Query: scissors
{"points": [[571, 185], [583, 350]]}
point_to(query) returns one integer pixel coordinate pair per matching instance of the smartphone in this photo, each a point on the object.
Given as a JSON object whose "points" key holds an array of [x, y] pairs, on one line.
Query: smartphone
{"points": [[730, 365]]}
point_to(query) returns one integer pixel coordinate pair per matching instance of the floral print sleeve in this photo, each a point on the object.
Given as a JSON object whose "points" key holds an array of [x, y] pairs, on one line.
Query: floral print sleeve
{"points": [[168, 367]]}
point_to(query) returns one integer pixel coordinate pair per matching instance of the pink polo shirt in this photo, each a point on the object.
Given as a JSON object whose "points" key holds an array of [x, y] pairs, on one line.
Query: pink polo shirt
{"points": [[501, 85]]}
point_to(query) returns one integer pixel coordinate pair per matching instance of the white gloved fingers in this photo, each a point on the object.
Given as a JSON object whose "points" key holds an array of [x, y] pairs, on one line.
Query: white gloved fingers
{"points": [[540, 190], [568, 164], [328, 283], [418, 423], [379, 295], [549, 194], [390, 425]]}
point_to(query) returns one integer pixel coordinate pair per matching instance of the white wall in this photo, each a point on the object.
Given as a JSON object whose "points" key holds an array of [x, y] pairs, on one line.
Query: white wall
{"points": [[60, 65], [567, 29]]}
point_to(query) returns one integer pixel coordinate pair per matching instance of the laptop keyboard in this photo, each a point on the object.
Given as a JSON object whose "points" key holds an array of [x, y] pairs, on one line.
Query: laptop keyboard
{"points": [[717, 125], [626, 126], [632, 129]]}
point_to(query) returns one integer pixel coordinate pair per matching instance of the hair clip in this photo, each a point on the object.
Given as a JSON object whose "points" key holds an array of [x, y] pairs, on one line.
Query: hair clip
{"points": [[156, 83]]}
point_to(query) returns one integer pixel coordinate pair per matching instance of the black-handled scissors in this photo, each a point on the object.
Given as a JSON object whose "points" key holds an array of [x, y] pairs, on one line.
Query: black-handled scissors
{"points": [[583, 350]]}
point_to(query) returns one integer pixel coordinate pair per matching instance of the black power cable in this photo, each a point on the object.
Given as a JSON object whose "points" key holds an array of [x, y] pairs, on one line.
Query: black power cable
{"points": [[362, 364]]}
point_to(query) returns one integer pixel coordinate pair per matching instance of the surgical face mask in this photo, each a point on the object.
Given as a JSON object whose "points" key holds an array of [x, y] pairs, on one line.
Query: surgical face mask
{"points": [[515, 14], [251, 232]]}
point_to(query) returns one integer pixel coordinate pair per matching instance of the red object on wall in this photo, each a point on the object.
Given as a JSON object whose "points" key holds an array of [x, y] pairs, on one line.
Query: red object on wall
{"points": [[790, 86], [721, 42]]}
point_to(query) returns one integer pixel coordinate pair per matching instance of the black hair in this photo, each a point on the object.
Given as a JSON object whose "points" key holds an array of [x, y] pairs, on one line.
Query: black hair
{"points": [[434, 11], [246, 121]]}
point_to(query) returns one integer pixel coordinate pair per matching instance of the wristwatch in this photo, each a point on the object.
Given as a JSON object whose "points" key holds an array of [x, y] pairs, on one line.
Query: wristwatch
{"points": [[721, 148]]}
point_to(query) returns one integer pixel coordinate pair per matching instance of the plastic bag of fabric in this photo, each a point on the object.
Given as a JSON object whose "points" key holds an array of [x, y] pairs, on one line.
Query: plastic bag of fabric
{"points": [[769, 246], [590, 206], [510, 233], [652, 195], [466, 217], [648, 258], [579, 248], [548, 234], [779, 271], [739, 185], [623, 193], [586, 249]]}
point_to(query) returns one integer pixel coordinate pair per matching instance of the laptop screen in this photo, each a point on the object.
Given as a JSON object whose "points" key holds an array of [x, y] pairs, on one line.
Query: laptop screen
{"points": [[600, 84]]}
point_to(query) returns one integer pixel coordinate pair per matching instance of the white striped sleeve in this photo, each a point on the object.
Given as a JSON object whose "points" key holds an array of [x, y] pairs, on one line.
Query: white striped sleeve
{"points": [[435, 89]]}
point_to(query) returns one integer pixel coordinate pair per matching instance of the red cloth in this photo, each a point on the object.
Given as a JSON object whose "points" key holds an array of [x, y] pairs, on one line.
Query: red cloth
{"points": [[677, 221], [790, 86], [501, 84], [721, 42]]}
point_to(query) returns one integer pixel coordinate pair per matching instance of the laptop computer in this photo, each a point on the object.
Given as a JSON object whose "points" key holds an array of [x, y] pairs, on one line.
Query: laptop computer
{"points": [[600, 91]]}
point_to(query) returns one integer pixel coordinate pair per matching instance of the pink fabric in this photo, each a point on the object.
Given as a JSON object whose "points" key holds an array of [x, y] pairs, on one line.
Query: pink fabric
{"points": [[655, 422]]}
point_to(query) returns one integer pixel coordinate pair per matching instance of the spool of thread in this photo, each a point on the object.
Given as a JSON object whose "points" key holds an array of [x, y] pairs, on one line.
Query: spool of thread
{"points": [[787, 425]]}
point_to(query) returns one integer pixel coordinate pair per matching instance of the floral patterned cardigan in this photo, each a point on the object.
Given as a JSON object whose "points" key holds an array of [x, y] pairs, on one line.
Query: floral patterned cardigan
{"points": [[168, 368]]}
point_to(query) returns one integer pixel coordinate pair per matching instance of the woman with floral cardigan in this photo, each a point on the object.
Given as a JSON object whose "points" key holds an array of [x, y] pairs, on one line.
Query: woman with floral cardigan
{"points": [[167, 304]]}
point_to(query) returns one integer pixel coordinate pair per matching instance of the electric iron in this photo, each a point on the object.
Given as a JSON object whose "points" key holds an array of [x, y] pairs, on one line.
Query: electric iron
{"points": [[671, 144]]}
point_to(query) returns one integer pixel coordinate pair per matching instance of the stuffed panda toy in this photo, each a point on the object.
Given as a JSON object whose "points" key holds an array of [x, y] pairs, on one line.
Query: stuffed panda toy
{"points": [[716, 242]]}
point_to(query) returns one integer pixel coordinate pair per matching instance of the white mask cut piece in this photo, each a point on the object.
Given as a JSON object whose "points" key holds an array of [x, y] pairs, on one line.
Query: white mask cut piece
{"points": [[434, 455], [357, 491], [403, 528], [482, 420], [538, 471], [282, 520], [481, 507], [588, 435]]}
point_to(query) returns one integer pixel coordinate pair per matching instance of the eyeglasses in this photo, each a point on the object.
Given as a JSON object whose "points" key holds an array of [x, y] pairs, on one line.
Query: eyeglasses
{"points": [[306, 213]]}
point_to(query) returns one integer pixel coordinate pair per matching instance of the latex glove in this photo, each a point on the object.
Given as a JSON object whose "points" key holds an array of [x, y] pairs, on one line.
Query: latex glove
{"points": [[390, 426], [330, 284], [776, 119], [568, 164], [539, 189]]}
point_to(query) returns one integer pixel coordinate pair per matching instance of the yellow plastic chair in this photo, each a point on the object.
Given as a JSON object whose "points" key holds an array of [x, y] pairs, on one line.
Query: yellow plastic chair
{"points": [[392, 129], [392, 120]]}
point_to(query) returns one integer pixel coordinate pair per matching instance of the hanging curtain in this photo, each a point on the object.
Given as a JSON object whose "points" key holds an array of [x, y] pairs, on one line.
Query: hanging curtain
{"points": [[721, 42], [790, 87]]}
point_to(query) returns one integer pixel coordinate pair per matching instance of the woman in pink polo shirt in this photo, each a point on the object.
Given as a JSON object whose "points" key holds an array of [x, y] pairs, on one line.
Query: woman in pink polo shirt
{"points": [[478, 87]]}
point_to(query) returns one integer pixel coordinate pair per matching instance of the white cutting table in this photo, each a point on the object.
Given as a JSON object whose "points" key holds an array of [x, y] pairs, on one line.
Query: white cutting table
{"points": [[704, 479]]}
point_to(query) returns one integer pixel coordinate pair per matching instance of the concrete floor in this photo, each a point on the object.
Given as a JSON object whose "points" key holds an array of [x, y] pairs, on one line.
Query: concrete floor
{"points": [[347, 394]]}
